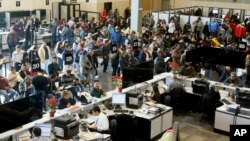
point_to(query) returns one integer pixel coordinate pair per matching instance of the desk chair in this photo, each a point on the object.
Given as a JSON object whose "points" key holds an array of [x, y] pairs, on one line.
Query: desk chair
{"points": [[177, 96], [208, 107]]}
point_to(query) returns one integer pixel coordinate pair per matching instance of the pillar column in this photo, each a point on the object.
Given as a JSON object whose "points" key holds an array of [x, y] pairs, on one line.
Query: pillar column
{"points": [[136, 15]]}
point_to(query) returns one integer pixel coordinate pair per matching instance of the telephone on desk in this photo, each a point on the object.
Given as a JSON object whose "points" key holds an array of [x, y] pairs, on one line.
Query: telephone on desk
{"points": [[86, 97]]}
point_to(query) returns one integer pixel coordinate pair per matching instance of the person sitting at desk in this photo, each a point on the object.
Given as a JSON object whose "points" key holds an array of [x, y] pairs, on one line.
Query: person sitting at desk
{"points": [[188, 70], [102, 123], [65, 101], [97, 91], [210, 101], [233, 80], [36, 132], [175, 84]]}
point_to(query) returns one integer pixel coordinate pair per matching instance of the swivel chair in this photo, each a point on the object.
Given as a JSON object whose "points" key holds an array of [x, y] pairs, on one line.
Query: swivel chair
{"points": [[177, 96]]}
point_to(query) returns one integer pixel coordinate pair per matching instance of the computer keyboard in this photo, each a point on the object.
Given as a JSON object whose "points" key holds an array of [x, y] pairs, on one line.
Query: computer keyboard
{"points": [[120, 111], [226, 101]]}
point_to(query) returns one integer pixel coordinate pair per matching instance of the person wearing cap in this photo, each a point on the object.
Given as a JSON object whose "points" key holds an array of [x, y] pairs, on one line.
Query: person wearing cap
{"points": [[17, 57], [54, 67], [116, 37], [233, 80]]}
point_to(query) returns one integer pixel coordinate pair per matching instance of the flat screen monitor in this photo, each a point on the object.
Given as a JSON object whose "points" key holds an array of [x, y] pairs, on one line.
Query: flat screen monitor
{"points": [[118, 99], [45, 128], [17, 113]]}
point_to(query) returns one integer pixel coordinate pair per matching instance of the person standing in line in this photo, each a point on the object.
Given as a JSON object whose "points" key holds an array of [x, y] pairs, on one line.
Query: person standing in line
{"points": [[44, 55]]}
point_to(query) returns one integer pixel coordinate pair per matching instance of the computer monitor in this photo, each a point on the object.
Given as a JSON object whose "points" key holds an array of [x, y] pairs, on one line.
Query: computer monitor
{"points": [[45, 128], [118, 100]]}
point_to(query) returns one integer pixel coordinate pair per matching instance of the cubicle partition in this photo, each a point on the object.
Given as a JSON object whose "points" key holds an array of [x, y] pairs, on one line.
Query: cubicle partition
{"points": [[186, 14]]}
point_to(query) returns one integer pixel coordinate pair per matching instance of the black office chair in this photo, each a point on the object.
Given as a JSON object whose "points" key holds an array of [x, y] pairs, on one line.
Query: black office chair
{"points": [[208, 106], [177, 96], [113, 129]]}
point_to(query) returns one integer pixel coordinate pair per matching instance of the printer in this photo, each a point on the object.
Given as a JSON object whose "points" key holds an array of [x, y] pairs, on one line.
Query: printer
{"points": [[66, 127], [134, 100], [200, 86], [86, 97]]}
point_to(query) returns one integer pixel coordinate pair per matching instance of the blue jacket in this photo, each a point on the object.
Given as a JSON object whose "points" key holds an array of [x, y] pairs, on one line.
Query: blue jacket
{"points": [[116, 37], [213, 26]]}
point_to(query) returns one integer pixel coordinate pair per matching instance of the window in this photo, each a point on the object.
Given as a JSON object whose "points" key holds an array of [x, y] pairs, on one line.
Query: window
{"points": [[18, 3], [47, 2]]}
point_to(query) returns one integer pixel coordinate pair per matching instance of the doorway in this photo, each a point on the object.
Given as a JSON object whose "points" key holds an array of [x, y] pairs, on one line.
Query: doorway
{"points": [[108, 6]]}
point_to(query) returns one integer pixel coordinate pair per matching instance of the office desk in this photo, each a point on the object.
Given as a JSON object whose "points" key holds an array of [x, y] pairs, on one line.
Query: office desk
{"points": [[141, 125], [224, 118]]}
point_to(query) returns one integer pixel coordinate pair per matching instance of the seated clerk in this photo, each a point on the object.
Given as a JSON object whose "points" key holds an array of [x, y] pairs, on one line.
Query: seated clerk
{"points": [[187, 70], [215, 95], [102, 123], [65, 101], [233, 80], [210, 101], [97, 91], [36, 132], [175, 84]]}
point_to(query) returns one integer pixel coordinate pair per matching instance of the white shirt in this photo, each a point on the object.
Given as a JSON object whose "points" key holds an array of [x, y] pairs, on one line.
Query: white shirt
{"points": [[101, 123], [17, 56], [40, 139]]}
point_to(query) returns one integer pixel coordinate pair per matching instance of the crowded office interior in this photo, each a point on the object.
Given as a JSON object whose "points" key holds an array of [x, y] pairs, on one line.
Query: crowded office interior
{"points": [[123, 70]]}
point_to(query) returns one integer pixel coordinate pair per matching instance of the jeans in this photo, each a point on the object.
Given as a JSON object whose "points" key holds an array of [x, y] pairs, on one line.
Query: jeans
{"points": [[6, 92], [45, 65], [115, 67]]}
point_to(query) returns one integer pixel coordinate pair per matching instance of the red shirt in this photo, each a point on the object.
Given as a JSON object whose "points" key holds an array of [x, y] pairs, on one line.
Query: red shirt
{"points": [[240, 31]]}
